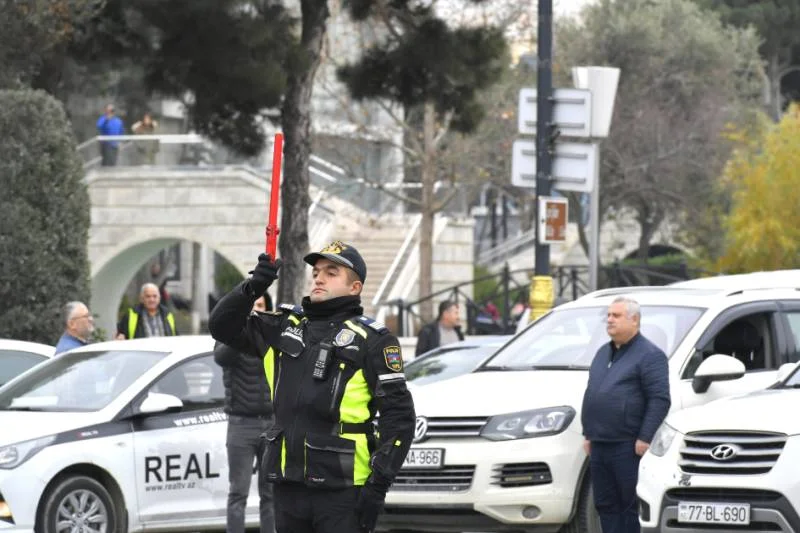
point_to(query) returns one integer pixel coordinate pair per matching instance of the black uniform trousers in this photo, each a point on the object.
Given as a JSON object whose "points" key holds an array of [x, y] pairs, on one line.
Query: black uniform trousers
{"points": [[300, 509]]}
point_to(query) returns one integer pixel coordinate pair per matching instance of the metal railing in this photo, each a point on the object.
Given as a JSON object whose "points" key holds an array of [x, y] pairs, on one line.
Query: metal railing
{"points": [[570, 282], [508, 248]]}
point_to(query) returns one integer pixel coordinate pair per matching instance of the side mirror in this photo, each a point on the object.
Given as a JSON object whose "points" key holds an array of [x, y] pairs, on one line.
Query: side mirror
{"points": [[157, 402], [784, 371], [718, 367]]}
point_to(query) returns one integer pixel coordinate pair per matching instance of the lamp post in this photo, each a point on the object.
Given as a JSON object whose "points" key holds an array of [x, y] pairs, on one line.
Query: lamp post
{"points": [[602, 82], [544, 111], [541, 295]]}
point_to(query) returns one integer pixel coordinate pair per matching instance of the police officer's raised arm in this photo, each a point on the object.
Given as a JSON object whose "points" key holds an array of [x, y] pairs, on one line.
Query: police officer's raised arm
{"points": [[384, 375], [231, 321]]}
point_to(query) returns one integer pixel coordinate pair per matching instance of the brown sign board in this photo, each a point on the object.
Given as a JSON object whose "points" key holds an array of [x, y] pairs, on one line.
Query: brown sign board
{"points": [[553, 218]]}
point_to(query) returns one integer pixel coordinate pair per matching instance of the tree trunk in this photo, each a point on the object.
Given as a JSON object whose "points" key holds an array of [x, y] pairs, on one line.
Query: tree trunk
{"points": [[649, 222], [775, 87], [196, 284], [296, 121], [428, 179]]}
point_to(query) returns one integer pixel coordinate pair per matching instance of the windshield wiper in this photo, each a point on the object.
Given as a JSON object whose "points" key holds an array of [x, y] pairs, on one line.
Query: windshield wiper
{"points": [[495, 369], [22, 408], [555, 367]]}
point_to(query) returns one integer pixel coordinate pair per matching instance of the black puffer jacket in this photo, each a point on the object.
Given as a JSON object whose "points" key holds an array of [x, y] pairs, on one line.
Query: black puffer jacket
{"points": [[246, 389]]}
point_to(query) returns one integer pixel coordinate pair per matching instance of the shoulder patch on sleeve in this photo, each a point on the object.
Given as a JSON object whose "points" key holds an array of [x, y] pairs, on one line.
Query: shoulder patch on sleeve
{"points": [[373, 324], [295, 309], [394, 361]]}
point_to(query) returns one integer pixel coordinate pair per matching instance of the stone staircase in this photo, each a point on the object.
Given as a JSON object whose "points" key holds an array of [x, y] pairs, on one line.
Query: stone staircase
{"points": [[379, 240]]}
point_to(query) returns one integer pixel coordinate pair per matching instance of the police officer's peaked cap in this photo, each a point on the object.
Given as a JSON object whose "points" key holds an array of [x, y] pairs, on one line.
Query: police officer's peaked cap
{"points": [[342, 254]]}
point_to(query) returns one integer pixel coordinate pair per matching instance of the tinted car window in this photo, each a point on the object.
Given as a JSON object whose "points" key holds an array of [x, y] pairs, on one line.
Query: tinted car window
{"points": [[13, 363], [446, 364], [571, 337]]}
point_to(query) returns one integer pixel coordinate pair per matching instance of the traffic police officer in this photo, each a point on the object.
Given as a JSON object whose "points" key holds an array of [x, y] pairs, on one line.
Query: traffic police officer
{"points": [[329, 369]]}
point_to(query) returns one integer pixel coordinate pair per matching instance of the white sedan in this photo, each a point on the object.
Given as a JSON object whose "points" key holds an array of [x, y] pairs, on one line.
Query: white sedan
{"points": [[18, 356], [117, 436]]}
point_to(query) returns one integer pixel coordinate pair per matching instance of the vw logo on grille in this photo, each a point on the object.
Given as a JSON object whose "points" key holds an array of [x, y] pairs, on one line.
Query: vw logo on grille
{"points": [[725, 452], [420, 429]]}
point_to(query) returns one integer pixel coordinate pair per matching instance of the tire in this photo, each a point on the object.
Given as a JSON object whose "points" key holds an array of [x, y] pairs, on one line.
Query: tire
{"points": [[586, 519], [79, 504]]}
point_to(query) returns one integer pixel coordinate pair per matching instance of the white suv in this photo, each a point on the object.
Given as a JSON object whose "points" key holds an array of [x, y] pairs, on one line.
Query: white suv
{"points": [[730, 465], [501, 448]]}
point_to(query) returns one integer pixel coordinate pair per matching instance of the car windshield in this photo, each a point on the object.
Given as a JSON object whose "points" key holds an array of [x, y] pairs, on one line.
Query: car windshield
{"points": [[85, 381], [570, 338], [447, 363]]}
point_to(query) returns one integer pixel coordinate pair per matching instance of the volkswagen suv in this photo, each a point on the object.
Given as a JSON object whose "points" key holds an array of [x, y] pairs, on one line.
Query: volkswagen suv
{"points": [[500, 449]]}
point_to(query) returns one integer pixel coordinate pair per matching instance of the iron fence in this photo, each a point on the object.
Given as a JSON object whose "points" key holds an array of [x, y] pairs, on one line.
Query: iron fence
{"points": [[511, 287]]}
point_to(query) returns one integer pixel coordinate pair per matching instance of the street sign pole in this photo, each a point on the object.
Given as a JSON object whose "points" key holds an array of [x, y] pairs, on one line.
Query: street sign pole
{"points": [[594, 227], [544, 88]]}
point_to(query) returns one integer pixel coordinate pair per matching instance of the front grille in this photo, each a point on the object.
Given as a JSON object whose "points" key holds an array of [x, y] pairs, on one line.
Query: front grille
{"points": [[449, 428], [448, 479], [521, 475], [754, 452], [705, 494]]}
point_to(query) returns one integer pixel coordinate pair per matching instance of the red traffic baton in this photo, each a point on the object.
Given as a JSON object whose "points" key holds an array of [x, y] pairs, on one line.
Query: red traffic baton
{"points": [[274, 198]]}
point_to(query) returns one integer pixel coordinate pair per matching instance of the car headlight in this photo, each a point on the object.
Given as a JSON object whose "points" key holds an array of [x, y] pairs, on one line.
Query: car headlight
{"points": [[13, 455], [527, 424], [662, 440]]}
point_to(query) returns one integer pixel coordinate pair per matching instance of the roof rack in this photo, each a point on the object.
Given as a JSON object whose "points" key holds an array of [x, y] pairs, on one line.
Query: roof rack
{"points": [[777, 287], [625, 290]]}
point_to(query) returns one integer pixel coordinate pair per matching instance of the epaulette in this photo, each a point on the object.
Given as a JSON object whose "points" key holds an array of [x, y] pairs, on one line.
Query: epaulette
{"points": [[294, 309], [373, 324]]}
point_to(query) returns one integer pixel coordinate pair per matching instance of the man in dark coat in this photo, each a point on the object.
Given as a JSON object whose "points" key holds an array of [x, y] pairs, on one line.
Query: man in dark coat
{"points": [[626, 399], [444, 330], [249, 408]]}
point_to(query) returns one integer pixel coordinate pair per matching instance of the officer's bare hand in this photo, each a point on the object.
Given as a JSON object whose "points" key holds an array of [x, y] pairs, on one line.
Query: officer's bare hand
{"points": [[264, 274], [587, 446], [641, 447]]}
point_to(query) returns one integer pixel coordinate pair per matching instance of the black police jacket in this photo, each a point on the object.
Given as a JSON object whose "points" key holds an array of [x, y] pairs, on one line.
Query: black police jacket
{"points": [[330, 370]]}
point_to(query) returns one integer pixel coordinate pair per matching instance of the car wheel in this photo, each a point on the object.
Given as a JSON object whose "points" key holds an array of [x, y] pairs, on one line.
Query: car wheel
{"points": [[586, 519], [78, 504]]}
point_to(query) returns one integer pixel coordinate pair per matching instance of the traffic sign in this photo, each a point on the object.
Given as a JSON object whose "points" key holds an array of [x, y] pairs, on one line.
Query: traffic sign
{"points": [[572, 112], [574, 165], [553, 217]]}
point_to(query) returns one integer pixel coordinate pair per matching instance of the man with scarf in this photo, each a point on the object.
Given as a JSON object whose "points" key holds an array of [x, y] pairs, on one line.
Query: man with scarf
{"points": [[329, 369]]}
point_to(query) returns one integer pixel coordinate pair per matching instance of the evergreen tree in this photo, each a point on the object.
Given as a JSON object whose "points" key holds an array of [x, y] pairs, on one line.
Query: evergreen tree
{"points": [[776, 22], [436, 73], [45, 206]]}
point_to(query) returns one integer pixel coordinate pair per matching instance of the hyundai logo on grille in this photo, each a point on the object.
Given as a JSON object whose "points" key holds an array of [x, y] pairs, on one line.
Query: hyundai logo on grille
{"points": [[420, 429], [724, 452]]}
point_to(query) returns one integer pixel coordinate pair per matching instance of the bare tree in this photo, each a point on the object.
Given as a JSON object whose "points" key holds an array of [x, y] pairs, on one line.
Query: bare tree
{"points": [[684, 76]]}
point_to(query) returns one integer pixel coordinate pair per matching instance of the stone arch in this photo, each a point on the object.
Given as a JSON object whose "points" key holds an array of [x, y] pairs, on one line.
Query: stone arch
{"points": [[111, 273]]}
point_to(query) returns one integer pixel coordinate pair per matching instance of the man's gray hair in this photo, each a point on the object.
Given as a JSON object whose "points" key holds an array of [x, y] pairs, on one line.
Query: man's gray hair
{"points": [[149, 286], [68, 311], [632, 307]]}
